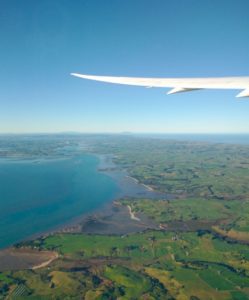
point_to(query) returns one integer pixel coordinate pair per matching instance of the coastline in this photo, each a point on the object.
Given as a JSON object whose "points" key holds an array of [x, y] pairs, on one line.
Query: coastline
{"points": [[110, 218], [128, 187]]}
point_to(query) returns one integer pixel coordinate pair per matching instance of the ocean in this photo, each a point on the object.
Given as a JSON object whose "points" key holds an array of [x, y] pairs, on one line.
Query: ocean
{"points": [[40, 195]]}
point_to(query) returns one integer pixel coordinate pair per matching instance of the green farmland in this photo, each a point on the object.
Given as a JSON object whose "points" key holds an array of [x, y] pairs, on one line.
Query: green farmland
{"points": [[197, 249], [149, 265]]}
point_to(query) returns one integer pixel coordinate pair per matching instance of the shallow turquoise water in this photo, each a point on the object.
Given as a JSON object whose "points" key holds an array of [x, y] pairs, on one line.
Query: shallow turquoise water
{"points": [[36, 196]]}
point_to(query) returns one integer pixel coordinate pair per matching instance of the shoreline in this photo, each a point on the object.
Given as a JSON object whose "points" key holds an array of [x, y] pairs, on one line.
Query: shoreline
{"points": [[149, 188], [134, 179], [127, 185]]}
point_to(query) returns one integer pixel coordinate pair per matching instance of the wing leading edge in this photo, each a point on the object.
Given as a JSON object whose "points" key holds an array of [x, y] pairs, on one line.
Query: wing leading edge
{"points": [[179, 85]]}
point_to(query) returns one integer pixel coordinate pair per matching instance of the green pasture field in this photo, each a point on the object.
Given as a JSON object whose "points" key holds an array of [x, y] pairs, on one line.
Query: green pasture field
{"points": [[149, 264], [181, 260], [217, 171]]}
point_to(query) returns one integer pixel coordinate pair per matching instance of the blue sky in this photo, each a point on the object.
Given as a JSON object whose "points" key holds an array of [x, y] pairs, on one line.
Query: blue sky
{"points": [[42, 42]]}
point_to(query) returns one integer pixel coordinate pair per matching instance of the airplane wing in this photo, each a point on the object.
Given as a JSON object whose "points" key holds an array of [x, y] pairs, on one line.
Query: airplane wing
{"points": [[179, 85]]}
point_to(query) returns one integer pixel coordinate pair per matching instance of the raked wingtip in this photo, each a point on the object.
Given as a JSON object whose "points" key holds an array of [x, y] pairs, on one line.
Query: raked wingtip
{"points": [[74, 74], [81, 75]]}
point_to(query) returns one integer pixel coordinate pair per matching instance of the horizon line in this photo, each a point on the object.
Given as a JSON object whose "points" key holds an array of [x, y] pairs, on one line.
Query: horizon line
{"points": [[120, 133]]}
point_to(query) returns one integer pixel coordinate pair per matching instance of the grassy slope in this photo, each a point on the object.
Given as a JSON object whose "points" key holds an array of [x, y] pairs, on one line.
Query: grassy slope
{"points": [[153, 263]]}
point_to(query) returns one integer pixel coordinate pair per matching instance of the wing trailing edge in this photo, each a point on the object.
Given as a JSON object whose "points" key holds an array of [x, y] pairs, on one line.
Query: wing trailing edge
{"points": [[178, 85]]}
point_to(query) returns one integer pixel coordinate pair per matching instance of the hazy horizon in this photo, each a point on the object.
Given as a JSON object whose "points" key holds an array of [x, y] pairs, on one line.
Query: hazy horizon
{"points": [[123, 133]]}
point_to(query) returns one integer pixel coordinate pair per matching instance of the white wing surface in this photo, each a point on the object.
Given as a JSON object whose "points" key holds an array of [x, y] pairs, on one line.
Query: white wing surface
{"points": [[179, 85]]}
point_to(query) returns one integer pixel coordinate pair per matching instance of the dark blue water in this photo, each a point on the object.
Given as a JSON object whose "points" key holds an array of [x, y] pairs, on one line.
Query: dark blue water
{"points": [[37, 196]]}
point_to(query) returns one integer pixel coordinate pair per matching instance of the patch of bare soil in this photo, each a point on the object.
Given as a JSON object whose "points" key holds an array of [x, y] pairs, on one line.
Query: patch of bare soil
{"points": [[25, 258]]}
